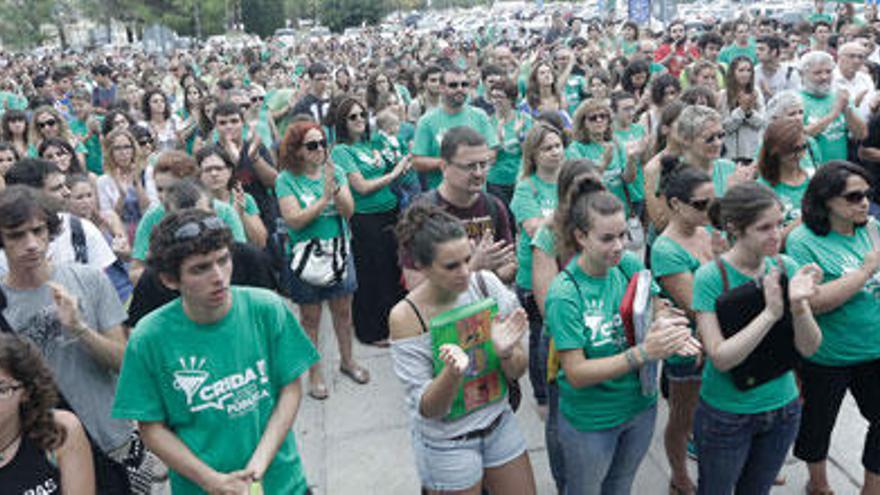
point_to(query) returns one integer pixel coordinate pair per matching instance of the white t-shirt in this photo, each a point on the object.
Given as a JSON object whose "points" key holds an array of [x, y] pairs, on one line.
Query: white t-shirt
{"points": [[860, 83], [785, 77], [100, 255]]}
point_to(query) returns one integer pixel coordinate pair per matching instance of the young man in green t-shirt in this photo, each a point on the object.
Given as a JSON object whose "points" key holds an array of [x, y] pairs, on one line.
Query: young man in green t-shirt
{"points": [[212, 378]]}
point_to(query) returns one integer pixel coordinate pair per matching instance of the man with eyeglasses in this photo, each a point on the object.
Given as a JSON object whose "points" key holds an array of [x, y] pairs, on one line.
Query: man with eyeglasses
{"points": [[464, 162], [72, 314], [454, 112], [829, 115], [849, 74], [222, 421]]}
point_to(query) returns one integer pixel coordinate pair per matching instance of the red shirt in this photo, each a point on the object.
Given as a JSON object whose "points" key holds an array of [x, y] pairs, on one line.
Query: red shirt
{"points": [[675, 64]]}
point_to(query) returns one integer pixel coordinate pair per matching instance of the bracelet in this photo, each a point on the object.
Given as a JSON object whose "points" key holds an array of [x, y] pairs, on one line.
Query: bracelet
{"points": [[631, 359], [643, 353]]}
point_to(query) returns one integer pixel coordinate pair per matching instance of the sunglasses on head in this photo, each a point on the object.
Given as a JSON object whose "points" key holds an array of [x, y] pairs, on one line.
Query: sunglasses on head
{"points": [[190, 230], [855, 197], [458, 84], [314, 145], [47, 123]]}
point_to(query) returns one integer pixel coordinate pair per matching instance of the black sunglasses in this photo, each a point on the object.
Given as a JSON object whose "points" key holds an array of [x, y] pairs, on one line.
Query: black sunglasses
{"points": [[699, 204], [314, 145], [357, 116], [855, 197], [47, 123], [597, 117], [458, 84]]}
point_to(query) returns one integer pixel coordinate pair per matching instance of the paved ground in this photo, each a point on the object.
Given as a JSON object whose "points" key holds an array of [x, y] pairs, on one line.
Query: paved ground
{"points": [[357, 441]]}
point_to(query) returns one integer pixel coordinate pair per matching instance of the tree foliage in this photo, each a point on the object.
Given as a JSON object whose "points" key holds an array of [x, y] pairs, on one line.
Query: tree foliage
{"points": [[340, 14]]}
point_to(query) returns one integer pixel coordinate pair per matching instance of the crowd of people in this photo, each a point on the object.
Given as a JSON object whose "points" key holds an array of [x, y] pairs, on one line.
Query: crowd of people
{"points": [[160, 216]]}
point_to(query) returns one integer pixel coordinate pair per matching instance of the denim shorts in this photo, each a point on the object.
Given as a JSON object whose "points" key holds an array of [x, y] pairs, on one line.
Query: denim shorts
{"points": [[687, 371], [305, 293], [447, 465]]}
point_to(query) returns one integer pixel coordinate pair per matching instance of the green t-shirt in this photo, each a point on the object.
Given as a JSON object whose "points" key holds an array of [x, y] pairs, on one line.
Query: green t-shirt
{"points": [[790, 197], [545, 240], [718, 389], [359, 157], [730, 52], [668, 257], [849, 333], [155, 215], [307, 191], [434, 124], [532, 198], [94, 154], [589, 319], [636, 188], [612, 177], [575, 89], [816, 17], [182, 374], [832, 141], [722, 169], [507, 163]]}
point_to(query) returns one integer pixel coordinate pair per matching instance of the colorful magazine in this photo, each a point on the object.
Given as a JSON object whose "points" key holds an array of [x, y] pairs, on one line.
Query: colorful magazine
{"points": [[470, 327]]}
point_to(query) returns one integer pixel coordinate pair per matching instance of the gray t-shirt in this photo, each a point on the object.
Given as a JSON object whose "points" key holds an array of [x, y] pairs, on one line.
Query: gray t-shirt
{"points": [[413, 364], [87, 385]]}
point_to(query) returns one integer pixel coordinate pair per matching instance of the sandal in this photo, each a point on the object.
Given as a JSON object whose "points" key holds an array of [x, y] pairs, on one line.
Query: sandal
{"points": [[676, 490], [318, 391], [357, 374]]}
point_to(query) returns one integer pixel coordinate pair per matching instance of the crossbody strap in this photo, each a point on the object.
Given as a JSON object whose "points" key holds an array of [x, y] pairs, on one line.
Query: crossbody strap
{"points": [[723, 270]]}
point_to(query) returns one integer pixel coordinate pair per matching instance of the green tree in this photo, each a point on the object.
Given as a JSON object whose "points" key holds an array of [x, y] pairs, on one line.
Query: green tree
{"points": [[263, 17], [340, 14]]}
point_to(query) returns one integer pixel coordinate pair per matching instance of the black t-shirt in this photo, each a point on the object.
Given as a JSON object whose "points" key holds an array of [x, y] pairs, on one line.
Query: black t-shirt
{"points": [[30, 471], [246, 174], [251, 267], [311, 105]]}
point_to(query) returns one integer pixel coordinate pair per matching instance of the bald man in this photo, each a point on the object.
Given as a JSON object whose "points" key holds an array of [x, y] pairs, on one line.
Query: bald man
{"points": [[849, 73]]}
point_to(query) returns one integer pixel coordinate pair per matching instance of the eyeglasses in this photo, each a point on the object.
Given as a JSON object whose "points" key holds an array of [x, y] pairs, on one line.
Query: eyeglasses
{"points": [[191, 230], [123, 147], [699, 204], [145, 142], [255, 99], [473, 166], [357, 116], [47, 123], [211, 170], [7, 390], [718, 136], [597, 117], [458, 84], [855, 197], [314, 145]]}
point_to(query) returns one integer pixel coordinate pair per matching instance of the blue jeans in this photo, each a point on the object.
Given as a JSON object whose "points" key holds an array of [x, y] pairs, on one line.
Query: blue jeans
{"points": [[605, 462], [537, 349], [555, 455], [742, 453]]}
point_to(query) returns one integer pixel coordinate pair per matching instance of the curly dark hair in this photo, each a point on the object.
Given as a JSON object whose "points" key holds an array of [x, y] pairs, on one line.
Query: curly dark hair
{"points": [[21, 359], [167, 253], [145, 104], [424, 225]]}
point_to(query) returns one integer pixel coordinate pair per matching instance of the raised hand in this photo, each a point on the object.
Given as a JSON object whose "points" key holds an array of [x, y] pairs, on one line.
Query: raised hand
{"points": [[507, 333], [804, 284], [455, 359]]}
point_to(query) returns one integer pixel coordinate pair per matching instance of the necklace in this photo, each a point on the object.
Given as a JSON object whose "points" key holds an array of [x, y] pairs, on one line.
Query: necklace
{"points": [[5, 447]]}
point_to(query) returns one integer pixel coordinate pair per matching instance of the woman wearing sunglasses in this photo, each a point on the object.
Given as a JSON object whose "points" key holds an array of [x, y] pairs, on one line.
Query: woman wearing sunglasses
{"points": [[375, 213], [839, 236], [42, 449], [675, 256], [316, 203], [743, 434], [780, 167], [701, 134], [48, 123], [594, 140]]}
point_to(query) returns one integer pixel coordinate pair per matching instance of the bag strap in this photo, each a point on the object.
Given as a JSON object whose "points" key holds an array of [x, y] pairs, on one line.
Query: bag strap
{"points": [[723, 270], [78, 240], [482, 288], [418, 314]]}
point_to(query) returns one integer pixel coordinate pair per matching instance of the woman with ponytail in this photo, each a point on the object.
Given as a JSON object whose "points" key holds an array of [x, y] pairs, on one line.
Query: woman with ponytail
{"points": [[482, 447], [685, 244], [606, 418], [743, 433], [545, 266]]}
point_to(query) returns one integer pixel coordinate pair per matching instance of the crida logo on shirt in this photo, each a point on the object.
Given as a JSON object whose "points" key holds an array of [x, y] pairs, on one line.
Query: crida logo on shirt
{"points": [[236, 393], [602, 331]]}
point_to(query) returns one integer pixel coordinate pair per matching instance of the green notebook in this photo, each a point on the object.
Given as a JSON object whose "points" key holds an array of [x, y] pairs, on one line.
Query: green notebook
{"points": [[470, 327]]}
